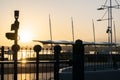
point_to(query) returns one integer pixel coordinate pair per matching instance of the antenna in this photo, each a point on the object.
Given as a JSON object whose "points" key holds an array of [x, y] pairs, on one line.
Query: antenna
{"points": [[109, 10]]}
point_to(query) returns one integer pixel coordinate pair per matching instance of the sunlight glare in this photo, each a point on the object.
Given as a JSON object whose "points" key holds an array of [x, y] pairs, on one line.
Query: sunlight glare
{"points": [[24, 61], [25, 36]]}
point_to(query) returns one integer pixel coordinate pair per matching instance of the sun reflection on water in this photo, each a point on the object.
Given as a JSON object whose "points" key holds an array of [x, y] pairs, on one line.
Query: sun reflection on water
{"points": [[24, 61]]}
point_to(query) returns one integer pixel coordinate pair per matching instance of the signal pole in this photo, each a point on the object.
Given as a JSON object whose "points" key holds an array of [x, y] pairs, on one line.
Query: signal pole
{"points": [[14, 36]]}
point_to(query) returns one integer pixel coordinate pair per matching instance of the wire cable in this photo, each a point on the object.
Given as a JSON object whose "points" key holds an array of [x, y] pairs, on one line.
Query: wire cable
{"points": [[117, 2], [104, 14], [105, 3]]}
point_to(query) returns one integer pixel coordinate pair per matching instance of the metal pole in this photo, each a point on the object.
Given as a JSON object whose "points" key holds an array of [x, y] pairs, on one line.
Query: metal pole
{"points": [[115, 37], [16, 47], [37, 49], [110, 16], [2, 65], [57, 50], [109, 31], [78, 60], [37, 66], [15, 65]]}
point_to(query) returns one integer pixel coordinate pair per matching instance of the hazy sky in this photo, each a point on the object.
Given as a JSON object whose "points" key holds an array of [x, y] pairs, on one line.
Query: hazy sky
{"points": [[34, 19]]}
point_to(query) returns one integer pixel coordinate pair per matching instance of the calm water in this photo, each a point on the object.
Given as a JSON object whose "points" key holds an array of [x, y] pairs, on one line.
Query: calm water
{"points": [[23, 76], [28, 71]]}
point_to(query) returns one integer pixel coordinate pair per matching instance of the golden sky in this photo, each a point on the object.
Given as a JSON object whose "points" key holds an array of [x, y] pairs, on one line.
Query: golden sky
{"points": [[34, 20]]}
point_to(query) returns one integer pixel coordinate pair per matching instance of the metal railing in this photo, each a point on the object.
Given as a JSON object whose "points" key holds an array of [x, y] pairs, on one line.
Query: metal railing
{"points": [[33, 67], [38, 66]]}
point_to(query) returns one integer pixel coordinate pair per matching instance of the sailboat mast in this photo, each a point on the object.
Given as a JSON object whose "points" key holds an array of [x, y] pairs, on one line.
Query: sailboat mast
{"points": [[72, 28], [110, 22], [50, 30], [94, 35], [93, 31], [115, 37], [114, 32]]}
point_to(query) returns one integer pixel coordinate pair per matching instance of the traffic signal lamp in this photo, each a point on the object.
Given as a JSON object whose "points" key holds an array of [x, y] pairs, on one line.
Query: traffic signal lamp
{"points": [[16, 14], [15, 26], [11, 36]]}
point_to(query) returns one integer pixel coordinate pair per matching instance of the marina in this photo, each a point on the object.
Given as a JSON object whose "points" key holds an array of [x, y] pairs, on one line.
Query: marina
{"points": [[76, 53]]}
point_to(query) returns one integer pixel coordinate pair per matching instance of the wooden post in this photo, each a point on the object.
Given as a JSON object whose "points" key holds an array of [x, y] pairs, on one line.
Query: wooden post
{"points": [[78, 60], [37, 49], [57, 50], [2, 65]]}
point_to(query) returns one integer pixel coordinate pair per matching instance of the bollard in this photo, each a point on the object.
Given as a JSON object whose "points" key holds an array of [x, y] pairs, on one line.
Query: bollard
{"points": [[37, 49], [57, 50], [78, 61]]}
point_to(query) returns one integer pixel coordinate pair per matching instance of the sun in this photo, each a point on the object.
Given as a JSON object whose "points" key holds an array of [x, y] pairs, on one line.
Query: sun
{"points": [[25, 36]]}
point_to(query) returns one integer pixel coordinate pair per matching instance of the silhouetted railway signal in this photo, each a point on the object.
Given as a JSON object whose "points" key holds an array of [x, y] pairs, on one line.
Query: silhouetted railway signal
{"points": [[15, 27]]}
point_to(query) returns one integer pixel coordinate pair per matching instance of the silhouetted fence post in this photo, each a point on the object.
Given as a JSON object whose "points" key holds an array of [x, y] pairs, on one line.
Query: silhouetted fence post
{"points": [[57, 50], [78, 60], [2, 65], [37, 49]]}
